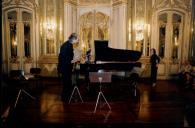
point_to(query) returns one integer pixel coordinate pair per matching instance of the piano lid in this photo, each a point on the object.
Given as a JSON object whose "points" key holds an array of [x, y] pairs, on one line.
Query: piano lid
{"points": [[109, 67], [104, 53]]}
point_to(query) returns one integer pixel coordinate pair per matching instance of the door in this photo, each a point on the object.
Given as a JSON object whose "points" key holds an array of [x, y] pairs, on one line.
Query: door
{"points": [[170, 40], [18, 39]]}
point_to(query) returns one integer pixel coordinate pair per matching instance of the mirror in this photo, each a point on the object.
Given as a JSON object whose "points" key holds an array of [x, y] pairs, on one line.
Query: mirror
{"points": [[175, 38], [12, 17], [26, 17], [162, 33]]}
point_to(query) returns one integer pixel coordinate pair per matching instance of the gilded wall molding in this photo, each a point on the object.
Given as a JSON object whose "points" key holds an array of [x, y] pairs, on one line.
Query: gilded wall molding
{"points": [[48, 59], [163, 4], [28, 3], [118, 2], [73, 2], [94, 1]]}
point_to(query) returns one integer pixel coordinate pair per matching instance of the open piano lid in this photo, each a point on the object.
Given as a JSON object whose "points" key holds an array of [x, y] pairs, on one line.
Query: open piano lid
{"points": [[104, 53]]}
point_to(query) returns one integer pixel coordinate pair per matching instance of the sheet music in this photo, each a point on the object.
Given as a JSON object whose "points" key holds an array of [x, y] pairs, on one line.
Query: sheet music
{"points": [[77, 55], [28, 76]]}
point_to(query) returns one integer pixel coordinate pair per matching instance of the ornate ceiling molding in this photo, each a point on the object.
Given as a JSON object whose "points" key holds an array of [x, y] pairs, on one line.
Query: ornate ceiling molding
{"points": [[74, 2], [96, 2], [118, 2], [28, 3], [181, 4]]}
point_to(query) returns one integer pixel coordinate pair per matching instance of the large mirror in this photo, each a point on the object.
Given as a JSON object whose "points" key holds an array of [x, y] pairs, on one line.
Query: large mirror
{"points": [[162, 33], [26, 17], [175, 38], [12, 18]]}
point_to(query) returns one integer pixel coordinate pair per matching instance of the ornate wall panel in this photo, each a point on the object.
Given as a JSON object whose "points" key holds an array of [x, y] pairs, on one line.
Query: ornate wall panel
{"points": [[93, 26], [118, 25], [51, 27], [70, 19], [139, 17]]}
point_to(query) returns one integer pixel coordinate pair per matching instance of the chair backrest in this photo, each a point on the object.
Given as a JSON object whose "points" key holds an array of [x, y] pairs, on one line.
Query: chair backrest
{"points": [[35, 71], [17, 74]]}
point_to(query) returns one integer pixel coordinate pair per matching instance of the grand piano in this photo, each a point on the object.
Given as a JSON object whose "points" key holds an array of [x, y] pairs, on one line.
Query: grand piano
{"points": [[113, 60], [110, 59]]}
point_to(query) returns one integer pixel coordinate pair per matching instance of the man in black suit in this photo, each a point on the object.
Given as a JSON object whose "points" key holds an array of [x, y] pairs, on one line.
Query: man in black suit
{"points": [[65, 66]]}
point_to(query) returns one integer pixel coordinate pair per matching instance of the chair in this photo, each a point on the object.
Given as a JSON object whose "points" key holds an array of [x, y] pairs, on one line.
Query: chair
{"points": [[35, 71], [36, 75], [101, 77], [18, 76]]}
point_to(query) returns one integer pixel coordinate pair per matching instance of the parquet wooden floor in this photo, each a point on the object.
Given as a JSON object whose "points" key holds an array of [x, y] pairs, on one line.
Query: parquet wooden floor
{"points": [[162, 106]]}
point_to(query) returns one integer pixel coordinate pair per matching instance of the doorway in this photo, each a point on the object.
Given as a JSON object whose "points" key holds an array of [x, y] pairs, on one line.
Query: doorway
{"points": [[18, 38]]}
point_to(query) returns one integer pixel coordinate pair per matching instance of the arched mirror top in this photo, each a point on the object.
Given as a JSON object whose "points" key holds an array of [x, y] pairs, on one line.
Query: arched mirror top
{"points": [[177, 18], [26, 16], [163, 18], [12, 15]]}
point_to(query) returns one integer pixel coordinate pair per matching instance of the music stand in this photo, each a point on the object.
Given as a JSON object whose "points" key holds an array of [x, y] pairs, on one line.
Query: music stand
{"points": [[133, 82], [76, 89], [73, 92], [19, 93], [19, 75], [101, 77]]}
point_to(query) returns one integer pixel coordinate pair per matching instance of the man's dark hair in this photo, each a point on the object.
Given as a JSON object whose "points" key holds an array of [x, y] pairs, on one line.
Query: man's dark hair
{"points": [[73, 35], [154, 50]]}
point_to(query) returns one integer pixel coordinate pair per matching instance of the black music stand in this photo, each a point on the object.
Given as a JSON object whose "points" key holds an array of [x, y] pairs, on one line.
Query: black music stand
{"points": [[133, 82], [19, 75], [76, 89], [19, 93], [101, 77]]}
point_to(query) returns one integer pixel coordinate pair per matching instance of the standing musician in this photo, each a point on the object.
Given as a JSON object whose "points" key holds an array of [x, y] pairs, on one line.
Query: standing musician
{"points": [[65, 65]]}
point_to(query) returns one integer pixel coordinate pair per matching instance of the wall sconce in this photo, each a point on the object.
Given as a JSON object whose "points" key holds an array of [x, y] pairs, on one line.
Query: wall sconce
{"points": [[50, 27], [14, 46], [129, 29], [139, 29], [83, 48], [148, 30], [176, 42]]}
